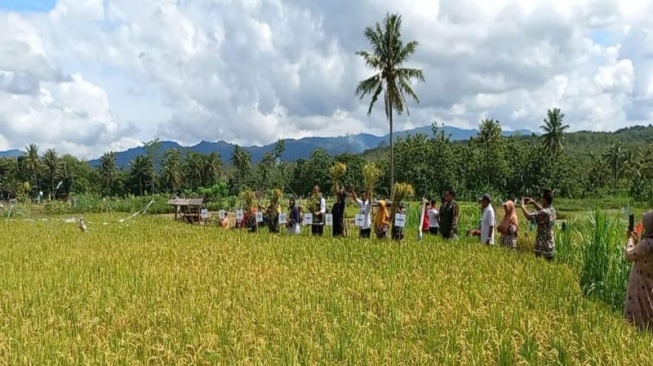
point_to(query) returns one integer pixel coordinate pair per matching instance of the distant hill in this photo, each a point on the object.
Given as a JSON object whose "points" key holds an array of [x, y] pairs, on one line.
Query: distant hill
{"points": [[11, 153], [302, 148], [295, 148]]}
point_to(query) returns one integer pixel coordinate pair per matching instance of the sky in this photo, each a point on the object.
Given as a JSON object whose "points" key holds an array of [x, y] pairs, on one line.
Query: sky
{"points": [[89, 76]]}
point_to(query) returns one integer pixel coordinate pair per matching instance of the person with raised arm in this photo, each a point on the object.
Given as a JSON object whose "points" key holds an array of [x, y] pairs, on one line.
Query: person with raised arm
{"points": [[638, 308], [365, 207], [338, 212], [544, 217]]}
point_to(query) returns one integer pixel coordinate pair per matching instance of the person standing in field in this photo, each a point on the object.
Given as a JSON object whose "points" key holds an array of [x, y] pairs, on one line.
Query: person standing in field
{"points": [[544, 217], [426, 221], [294, 218], [638, 309], [487, 220], [381, 220], [365, 207], [449, 215], [509, 226], [318, 209], [432, 214], [338, 212]]}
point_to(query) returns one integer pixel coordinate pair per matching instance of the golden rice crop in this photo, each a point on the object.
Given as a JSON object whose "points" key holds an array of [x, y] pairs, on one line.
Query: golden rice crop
{"points": [[158, 292], [371, 175], [338, 170]]}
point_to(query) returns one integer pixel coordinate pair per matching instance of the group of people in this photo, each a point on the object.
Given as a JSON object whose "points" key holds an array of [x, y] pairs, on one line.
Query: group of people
{"points": [[442, 220], [543, 216]]}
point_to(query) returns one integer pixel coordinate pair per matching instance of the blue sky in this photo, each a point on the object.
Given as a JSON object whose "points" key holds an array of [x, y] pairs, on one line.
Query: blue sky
{"points": [[27, 5]]}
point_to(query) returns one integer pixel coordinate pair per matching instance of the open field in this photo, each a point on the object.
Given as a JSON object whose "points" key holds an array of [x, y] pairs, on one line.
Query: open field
{"points": [[157, 292]]}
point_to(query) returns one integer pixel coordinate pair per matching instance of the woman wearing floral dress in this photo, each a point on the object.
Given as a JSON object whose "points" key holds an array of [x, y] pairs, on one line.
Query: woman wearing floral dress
{"points": [[638, 309]]}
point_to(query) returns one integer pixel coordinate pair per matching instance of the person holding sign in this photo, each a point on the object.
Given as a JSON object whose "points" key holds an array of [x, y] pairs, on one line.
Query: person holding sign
{"points": [[338, 212], [293, 221], [365, 207], [317, 207], [400, 223]]}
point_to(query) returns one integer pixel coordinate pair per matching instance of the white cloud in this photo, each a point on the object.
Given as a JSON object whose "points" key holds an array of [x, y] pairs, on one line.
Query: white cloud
{"points": [[95, 75]]}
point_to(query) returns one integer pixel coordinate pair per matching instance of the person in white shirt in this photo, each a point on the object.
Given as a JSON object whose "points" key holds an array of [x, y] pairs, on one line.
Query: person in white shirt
{"points": [[487, 220], [432, 214], [365, 207], [318, 208]]}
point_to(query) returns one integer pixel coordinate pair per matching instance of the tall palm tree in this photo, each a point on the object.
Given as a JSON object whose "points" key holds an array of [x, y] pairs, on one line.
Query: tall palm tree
{"points": [[33, 162], [617, 159], [172, 172], [108, 171], [387, 57], [52, 165], [554, 132], [489, 136]]}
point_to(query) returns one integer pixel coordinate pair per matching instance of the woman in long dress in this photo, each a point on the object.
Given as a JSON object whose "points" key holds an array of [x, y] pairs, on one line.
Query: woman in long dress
{"points": [[338, 212], [509, 226], [638, 309]]}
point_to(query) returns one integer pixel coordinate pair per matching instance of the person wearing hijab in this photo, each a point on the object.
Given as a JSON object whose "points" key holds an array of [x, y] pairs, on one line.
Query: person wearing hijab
{"points": [[509, 226], [294, 219], [638, 309], [381, 220], [338, 212]]}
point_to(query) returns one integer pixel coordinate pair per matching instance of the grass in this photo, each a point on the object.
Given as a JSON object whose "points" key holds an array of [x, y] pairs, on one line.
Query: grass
{"points": [[157, 292]]}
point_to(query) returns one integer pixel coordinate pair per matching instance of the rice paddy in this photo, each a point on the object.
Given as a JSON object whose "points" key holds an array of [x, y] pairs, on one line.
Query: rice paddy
{"points": [[162, 293]]}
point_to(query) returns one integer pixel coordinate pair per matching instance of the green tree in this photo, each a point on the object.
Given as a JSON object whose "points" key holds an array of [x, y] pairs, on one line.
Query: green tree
{"points": [[33, 164], [52, 166], [108, 172], [554, 132], [172, 174], [387, 57]]}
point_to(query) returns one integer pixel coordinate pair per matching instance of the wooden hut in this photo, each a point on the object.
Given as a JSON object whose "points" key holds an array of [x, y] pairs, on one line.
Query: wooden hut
{"points": [[188, 209]]}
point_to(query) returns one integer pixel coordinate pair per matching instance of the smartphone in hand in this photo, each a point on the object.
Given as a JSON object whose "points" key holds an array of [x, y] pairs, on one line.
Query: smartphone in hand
{"points": [[631, 223]]}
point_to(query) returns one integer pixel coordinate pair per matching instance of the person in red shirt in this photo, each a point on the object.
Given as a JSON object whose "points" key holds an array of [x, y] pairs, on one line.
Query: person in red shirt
{"points": [[425, 222]]}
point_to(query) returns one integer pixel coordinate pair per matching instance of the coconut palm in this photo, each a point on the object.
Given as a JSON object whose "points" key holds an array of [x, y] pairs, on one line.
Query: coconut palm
{"points": [[387, 58], [33, 163], [554, 132], [52, 165]]}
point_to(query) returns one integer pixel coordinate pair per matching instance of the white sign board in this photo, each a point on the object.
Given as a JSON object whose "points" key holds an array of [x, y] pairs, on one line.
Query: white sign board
{"points": [[259, 217], [328, 220], [204, 213], [239, 215], [358, 221], [308, 219], [282, 219], [222, 214], [400, 220]]}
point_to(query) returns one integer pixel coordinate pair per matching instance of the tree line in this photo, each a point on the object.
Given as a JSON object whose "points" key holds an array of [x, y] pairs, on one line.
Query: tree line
{"points": [[489, 162]]}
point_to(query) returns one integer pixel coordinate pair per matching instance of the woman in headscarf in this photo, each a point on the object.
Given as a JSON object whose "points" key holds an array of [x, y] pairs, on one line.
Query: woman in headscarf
{"points": [[509, 226], [294, 218], [338, 212], [381, 220], [638, 309]]}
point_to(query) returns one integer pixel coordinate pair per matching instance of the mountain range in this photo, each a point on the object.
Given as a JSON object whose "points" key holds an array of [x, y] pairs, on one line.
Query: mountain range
{"points": [[295, 148]]}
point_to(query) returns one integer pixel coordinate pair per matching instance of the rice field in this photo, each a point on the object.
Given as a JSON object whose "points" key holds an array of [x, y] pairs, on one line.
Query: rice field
{"points": [[161, 293]]}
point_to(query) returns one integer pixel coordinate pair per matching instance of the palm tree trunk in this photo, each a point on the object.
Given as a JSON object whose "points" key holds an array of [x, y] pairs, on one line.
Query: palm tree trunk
{"points": [[392, 153]]}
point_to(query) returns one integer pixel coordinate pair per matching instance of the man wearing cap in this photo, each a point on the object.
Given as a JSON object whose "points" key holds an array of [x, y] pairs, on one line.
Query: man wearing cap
{"points": [[487, 220]]}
